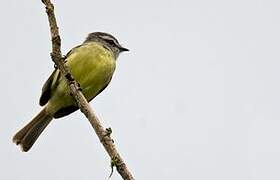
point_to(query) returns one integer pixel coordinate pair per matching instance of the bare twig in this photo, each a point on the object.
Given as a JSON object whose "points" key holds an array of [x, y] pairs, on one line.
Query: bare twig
{"points": [[103, 135]]}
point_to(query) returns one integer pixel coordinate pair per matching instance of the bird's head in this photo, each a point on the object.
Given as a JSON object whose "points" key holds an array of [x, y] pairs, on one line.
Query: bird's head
{"points": [[108, 40]]}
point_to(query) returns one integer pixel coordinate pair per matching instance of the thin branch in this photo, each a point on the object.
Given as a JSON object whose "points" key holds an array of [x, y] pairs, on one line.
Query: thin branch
{"points": [[103, 135]]}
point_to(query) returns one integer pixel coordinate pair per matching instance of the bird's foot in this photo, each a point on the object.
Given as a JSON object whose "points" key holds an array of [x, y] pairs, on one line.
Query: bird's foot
{"points": [[79, 87], [108, 131], [69, 78], [64, 59]]}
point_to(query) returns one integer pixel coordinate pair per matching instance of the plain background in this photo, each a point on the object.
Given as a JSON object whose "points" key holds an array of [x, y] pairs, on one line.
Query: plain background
{"points": [[197, 97]]}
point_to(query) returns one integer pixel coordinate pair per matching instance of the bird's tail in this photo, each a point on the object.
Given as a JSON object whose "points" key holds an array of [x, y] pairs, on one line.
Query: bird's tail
{"points": [[27, 136]]}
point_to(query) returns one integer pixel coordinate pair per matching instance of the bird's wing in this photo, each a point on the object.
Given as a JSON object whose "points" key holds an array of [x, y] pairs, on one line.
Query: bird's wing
{"points": [[48, 86], [69, 109], [52, 82]]}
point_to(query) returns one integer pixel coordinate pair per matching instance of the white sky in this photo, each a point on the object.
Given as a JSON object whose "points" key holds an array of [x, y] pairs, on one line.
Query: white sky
{"points": [[197, 97]]}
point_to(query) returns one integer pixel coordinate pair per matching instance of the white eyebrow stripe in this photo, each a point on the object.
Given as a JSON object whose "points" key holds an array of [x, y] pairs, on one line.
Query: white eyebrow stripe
{"points": [[105, 37]]}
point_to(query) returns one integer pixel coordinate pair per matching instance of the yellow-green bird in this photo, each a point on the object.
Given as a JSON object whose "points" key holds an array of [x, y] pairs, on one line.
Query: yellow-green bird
{"points": [[92, 65]]}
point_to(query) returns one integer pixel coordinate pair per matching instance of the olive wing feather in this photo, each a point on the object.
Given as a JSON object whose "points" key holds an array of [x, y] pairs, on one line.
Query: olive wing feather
{"points": [[52, 82], [46, 90]]}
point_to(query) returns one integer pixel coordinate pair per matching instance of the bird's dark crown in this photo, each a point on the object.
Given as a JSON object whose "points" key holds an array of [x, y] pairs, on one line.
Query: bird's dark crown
{"points": [[106, 39], [97, 36]]}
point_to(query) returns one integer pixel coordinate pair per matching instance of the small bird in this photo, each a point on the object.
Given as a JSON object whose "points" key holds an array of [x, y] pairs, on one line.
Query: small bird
{"points": [[92, 65]]}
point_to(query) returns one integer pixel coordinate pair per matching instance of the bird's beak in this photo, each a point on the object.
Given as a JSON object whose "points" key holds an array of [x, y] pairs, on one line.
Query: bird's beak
{"points": [[123, 49]]}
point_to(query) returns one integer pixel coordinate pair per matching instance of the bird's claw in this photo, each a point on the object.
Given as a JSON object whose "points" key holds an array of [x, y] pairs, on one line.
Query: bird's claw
{"points": [[108, 131], [79, 87]]}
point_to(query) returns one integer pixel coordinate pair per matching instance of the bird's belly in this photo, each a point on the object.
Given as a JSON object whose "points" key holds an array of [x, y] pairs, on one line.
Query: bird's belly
{"points": [[96, 80], [92, 75]]}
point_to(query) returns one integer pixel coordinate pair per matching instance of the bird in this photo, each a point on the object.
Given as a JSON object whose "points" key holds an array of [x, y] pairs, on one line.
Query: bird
{"points": [[92, 64]]}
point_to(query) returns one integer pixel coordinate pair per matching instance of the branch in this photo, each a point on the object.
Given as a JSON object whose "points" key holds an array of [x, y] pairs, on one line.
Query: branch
{"points": [[103, 135]]}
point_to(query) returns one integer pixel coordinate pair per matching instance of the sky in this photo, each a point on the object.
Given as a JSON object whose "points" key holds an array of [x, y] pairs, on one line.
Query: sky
{"points": [[197, 97]]}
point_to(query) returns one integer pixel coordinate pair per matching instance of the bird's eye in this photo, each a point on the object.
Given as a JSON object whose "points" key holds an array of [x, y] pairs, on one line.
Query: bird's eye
{"points": [[111, 42]]}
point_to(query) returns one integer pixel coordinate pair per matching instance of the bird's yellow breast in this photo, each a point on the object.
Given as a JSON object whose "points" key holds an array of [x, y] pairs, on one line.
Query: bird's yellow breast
{"points": [[92, 66]]}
